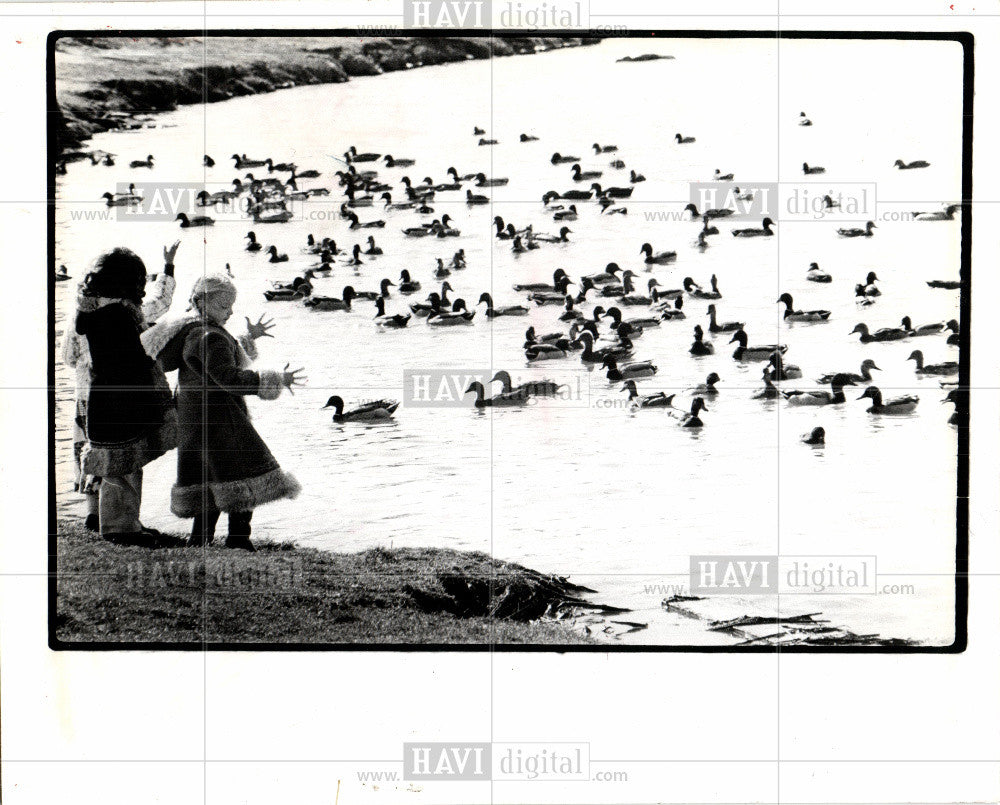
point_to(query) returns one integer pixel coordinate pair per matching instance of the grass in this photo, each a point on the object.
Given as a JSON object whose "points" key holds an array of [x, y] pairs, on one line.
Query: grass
{"points": [[287, 594]]}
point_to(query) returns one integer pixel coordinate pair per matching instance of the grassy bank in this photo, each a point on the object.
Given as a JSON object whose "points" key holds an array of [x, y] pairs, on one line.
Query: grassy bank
{"points": [[107, 83], [287, 594]]}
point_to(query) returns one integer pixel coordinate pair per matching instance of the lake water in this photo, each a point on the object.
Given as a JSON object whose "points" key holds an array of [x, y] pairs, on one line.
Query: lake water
{"points": [[582, 487]]}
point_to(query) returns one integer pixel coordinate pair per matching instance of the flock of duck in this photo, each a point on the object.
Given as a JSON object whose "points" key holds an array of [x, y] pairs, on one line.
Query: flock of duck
{"points": [[606, 335]]}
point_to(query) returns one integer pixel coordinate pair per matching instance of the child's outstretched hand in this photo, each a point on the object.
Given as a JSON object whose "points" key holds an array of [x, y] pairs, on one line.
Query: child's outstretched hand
{"points": [[169, 252], [260, 329], [291, 378]]}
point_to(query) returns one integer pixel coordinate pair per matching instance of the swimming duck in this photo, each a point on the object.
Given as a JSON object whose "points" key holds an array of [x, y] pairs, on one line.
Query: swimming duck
{"points": [[946, 368], [431, 305], [674, 313], [62, 274], [865, 375], [700, 347], [280, 166], [528, 138], [707, 230], [375, 295], [627, 371], [955, 338], [547, 351], [477, 131], [557, 276], [208, 162], [484, 141], [299, 289], [708, 387], [197, 220], [723, 177], [858, 233], [392, 162], [782, 371], [608, 207], [812, 170], [923, 329], [471, 198], [725, 327], [531, 338], [551, 297], [442, 270], [953, 397], [948, 214], [682, 140], [558, 158], [635, 178], [580, 175], [243, 162], [356, 224], [275, 257], [457, 177], [570, 313], [637, 321], [604, 149], [389, 321], [206, 199], [750, 232], [506, 310], [352, 155], [754, 353], [815, 275], [458, 259], [692, 420], [277, 216], [833, 397], [947, 284], [566, 215], [770, 391], [306, 174], [497, 400], [803, 120], [590, 355], [519, 246], [569, 195], [695, 290], [603, 277], [612, 192], [560, 238], [868, 287], [458, 314], [368, 412], [709, 213], [482, 181], [142, 163], [618, 290], [883, 334], [659, 258], [905, 166], [791, 314], [332, 303], [816, 437], [897, 405], [629, 298], [829, 203], [658, 400], [533, 388], [121, 201]]}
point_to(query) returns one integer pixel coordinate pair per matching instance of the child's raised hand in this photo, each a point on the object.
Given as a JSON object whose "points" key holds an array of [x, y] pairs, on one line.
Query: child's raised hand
{"points": [[169, 252], [260, 329], [290, 378]]}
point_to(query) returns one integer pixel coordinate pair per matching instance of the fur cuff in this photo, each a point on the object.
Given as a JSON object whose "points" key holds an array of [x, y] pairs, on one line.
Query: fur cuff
{"points": [[270, 385], [234, 496]]}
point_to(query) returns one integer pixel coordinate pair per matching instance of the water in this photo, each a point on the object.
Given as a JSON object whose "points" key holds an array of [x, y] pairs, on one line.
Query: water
{"points": [[584, 488]]}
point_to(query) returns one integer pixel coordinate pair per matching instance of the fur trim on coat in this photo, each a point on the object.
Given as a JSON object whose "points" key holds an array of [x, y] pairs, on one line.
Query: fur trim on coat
{"points": [[270, 385], [234, 496]]}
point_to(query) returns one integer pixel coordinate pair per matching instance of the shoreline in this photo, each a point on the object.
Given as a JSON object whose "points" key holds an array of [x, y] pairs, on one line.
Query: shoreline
{"points": [[114, 83]]}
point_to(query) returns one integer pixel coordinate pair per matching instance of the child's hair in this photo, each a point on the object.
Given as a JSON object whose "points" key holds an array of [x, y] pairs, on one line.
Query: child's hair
{"points": [[209, 285], [118, 274]]}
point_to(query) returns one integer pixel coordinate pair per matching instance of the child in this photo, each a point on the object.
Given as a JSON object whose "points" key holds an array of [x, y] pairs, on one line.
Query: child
{"points": [[128, 417], [222, 463]]}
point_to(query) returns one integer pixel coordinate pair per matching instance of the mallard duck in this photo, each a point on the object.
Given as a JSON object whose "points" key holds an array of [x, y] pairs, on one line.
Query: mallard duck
{"points": [[635, 178], [580, 175], [947, 284], [632, 299], [407, 285], [829, 203], [658, 258], [658, 400], [954, 398], [815, 275], [708, 213], [62, 274], [569, 195], [557, 284], [706, 229], [816, 437], [520, 247], [770, 391], [948, 214], [833, 397], [868, 287], [708, 387], [482, 401], [905, 166], [883, 334], [331, 303], [506, 310], [604, 149], [477, 131], [356, 224], [352, 155], [682, 140], [196, 220], [627, 371], [692, 420], [558, 159], [142, 163], [617, 164], [695, 290], [547, 351], [389, 321], [458, 315], [858, 233], [275, 257], [803, 120], [272, 166], [946, 368], [781, 370], [590, 355], [472, 199], [556, 297], [636, 321], [299, 289], [611, 192], [368, 412], [700, 347], [560, 238], [923, 329], [208, 162], [750, 232], [956, 337], [121, 201], [533, 388], [723, 177], [897, 405], [812, 170], [673, 313], [566, 215], [791, 314], [243, 162], [392, 162], [276, 216], [528, 138], [865, 376], [754, 353], [485, 141], [531, 338], [725, 327], [374, 295]]}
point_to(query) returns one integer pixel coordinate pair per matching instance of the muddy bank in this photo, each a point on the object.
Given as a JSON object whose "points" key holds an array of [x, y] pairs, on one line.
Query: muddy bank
{"points": [[106, 83]]}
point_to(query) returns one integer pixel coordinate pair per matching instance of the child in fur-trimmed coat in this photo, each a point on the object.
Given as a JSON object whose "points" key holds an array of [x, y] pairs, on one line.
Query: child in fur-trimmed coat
{"points": [[223, 465]]}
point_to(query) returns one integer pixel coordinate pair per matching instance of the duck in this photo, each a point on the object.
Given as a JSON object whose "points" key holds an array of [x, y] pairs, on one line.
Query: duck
{"points": [[829, 203], [560, 238], [706, 229], [636, 322], [700, 347], [948, 214], [557, 277], [897, 405], [299, 289], [442, 270], [858, 233], [477, 131], [692, 420], [725, 327], [368, 412], [791, 314], [356, 224], [332, 303], [471, 198], [814, 274], [945, 368], [867, 289], [280, 216], [723, 177], [695, 290], [612, 192], [682, 140], [635, 178], [551, 297], [770, 391], [196, 220], [568, 195], [956, 337], [484, 141], [275, 257], [243, 162], [389, 321], [566, 215], [497, 400], [658, 400], [280, 166], [751, 232], [519, 246], [558, 159], [309, 173], [604, 149], [864, 376], [392, 162], [658, 258], [629, 298], [528, 138], [580, 175], [547, 351], [708, 387], [883, 334], [950, 285], [381, 293], [590, 355], [812, 170], [833, 397], [142, 163], [208, 162], [754, 353], [458, 315], [532, 338], [482, 181], [673, 313], [954, 398], [627, 371], [906, 166], [608, 207], [803, 120], [817, 436], [533, 388], [782, 371], [604, 277], [352, 155], [121, 201], [425, 308], [505, 310], [206, 199], [923, 329], [62, 274], [708, 213]]}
